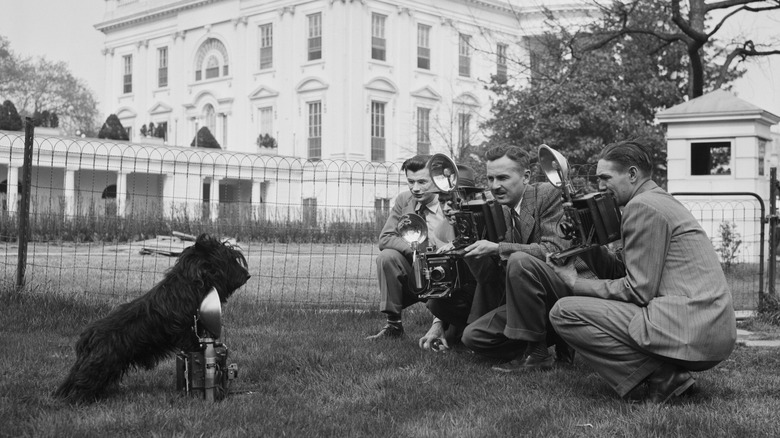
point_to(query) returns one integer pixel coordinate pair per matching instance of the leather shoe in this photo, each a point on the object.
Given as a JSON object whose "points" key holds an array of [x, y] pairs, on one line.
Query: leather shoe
{"points": [[564, 354], [529, 362], [389, 331], [667, 382]]}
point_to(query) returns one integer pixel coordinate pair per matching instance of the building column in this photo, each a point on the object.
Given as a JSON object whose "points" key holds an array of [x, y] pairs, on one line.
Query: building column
{"points": [[214, 199], [70, 193], [12, 187], [121, 193]]}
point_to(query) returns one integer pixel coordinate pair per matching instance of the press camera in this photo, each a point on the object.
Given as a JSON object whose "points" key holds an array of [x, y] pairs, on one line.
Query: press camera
{"points": [[589, 220], [474, 215], [205, 373]]}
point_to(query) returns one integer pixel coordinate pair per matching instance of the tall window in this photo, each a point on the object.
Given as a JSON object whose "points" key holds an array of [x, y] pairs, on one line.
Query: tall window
{"points": [[309, 212], [266, 120], [315, 130], [424, 46], [464, 55], [377, 131], [266, 46], [162, 67], [711, 158], [423, 130], [210, 118], [378, 42], [501, 63], [761, 154], [315, 36], [127, 79], [464, 132]]}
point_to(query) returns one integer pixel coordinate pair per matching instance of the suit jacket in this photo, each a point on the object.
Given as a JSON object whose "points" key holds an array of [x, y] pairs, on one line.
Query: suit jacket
{"points": [[670, 269], [540, 212], [389, 238]]}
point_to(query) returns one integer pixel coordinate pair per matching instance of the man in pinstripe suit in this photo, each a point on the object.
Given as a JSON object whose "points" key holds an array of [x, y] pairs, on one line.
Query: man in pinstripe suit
{"points": [[661, 307]]}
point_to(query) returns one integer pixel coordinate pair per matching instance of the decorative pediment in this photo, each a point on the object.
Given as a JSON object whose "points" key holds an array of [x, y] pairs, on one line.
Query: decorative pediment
{"points": [[263, 92], [125, 113], [426, 93], [383, 85], [467, 99], [160, 108], [311, 84]]}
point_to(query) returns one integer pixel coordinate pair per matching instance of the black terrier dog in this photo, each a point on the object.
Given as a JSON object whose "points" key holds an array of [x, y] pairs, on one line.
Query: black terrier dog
{"points": [[148, 329]]}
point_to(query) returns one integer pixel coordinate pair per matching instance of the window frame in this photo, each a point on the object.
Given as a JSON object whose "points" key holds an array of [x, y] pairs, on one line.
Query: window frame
{"points": [[378, 37], [464, 55], [314, 126], [378, 125], [266, 43], [424, 51], [127, 76], [314, 36]]}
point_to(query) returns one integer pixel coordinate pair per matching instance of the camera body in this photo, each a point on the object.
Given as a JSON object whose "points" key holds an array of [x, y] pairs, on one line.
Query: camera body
{"points": [[191, 373], [477, 217], [441, 274], [205, 373], [589, 220]]}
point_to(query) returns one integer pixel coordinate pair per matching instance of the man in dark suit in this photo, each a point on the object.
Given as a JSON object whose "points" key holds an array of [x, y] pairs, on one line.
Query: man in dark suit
{"points": [[661, 307], [507, 318], [394, 263]]}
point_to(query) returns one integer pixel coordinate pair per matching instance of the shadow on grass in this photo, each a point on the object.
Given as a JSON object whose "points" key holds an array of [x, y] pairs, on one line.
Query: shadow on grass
{"points": [[312, 373]]}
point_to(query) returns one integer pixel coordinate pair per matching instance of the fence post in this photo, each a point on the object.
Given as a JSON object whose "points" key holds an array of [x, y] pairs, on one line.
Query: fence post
{"points": [[24, 209], [771, 272]]}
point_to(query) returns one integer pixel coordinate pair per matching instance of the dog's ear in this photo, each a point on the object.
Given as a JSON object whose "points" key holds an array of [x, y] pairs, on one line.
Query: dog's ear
{"points": [[202, 240]]}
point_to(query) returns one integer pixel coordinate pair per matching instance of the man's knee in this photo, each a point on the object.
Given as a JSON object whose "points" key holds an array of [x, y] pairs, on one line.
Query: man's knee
{"points": [[521, 262], [388, 254]]}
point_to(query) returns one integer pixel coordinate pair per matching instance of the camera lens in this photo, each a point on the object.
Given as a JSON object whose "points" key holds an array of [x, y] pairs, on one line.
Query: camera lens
{"points": [[437, 273]]}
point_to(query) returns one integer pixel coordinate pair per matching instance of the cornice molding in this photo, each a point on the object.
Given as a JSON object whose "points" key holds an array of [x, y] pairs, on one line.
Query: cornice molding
{"points": [[151, 14]]}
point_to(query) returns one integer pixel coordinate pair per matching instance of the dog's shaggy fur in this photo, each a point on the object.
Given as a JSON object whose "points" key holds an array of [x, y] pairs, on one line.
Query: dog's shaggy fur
{"points": [[141, 333]]}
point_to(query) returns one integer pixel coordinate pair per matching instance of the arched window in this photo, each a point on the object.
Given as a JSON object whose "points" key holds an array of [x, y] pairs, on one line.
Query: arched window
{"points": [[210, 118], [211, 60]]}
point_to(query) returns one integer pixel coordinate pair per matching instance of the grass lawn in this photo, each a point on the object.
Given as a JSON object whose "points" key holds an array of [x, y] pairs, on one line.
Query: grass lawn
{"points": [[311, 373]]}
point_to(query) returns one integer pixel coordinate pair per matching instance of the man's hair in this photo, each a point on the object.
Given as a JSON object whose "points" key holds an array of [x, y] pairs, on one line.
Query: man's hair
{"points": [[416, 163], [514, 153], [630, 153]]}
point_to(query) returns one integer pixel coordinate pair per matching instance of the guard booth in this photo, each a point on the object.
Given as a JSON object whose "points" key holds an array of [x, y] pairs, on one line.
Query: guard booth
{"points": [[719, 152]]}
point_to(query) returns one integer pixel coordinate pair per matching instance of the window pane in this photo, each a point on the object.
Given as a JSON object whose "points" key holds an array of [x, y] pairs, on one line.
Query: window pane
{"points": [[315, 37], [423, 47], [377, 131], [464, 58], [423, 131], [711, 158], [315, 130], [266, 46]]}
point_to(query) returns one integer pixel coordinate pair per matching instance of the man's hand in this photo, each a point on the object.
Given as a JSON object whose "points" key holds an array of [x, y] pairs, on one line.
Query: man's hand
{"points": [[434, 339], [567, 271], [445, 248], [481, 248]]}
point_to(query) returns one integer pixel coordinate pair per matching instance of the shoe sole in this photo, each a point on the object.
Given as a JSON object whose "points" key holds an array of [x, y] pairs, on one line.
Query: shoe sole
{"points": [[680, 389], [544, 367]]}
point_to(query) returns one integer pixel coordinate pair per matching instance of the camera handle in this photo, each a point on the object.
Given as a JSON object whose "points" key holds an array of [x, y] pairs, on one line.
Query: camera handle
{"points": [[419, 269]]}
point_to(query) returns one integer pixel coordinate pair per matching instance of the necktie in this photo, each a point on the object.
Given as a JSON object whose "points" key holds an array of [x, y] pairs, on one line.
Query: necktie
{"points": [[516, 233]]}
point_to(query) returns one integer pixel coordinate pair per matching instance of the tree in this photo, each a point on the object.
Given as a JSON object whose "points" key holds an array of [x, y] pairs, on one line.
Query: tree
{"points": [[204, 139], [112, 129], [579, 104], [684, 24], [9, 117], [38, 85]]}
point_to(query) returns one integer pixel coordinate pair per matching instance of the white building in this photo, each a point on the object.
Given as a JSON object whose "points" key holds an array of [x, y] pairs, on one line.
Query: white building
{"points": [[346, 88], [341, 79]]}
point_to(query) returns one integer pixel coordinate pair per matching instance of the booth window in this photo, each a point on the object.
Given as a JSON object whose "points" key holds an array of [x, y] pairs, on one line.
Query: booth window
{"points": [[711, 158]]}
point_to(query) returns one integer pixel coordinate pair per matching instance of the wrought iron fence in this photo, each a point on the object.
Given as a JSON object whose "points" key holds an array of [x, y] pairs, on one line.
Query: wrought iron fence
{"points": [[105, 216]]}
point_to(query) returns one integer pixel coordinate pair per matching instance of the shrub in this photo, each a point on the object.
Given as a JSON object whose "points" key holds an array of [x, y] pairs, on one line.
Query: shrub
{"points": [[10, 120], [112, 129], [266, 141], [204, 139], [730, 241]]}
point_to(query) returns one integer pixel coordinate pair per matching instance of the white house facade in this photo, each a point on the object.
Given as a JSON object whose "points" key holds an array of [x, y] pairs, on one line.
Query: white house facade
{"points": [[366, 80]]}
